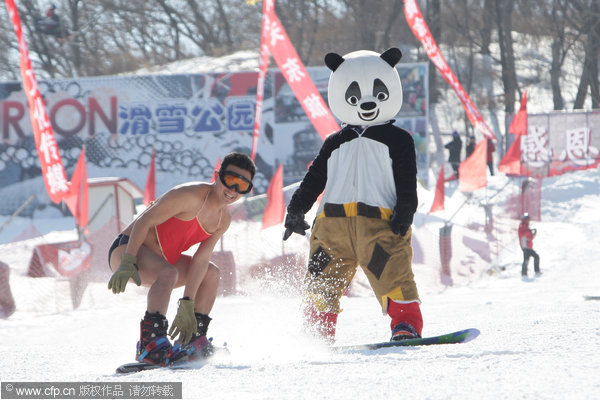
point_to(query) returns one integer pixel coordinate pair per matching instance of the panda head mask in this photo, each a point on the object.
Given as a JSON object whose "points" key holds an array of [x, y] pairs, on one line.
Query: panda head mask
{"points": [[364, 86]]}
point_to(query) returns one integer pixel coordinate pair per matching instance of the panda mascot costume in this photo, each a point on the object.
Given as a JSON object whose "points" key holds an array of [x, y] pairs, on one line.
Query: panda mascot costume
{"points": [[368, 176]]}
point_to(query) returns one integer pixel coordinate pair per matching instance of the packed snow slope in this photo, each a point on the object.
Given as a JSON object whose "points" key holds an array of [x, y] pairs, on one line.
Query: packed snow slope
{"points": [[540, 338]]}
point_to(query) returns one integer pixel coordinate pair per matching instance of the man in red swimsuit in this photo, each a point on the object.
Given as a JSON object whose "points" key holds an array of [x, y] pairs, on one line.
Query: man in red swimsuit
{"points": [[149, 252]]}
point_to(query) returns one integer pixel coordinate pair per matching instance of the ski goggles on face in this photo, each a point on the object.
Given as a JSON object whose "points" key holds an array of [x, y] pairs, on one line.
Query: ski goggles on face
{"points": [[235, 181]]}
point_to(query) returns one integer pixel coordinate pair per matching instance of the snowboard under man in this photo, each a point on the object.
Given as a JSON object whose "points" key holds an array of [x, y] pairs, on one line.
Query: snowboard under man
{"points": [[368, 174]]}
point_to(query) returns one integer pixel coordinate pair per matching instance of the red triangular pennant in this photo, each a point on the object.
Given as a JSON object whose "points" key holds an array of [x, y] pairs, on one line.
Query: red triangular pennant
{"points": [[150, 189], [511, 162], [438, 200], [518, 126], [471, 173], [275, 208], [77, 198]]}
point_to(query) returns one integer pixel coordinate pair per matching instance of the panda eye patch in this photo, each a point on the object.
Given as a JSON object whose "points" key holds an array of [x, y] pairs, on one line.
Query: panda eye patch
{"points": [[380, 91], [353, 94]]}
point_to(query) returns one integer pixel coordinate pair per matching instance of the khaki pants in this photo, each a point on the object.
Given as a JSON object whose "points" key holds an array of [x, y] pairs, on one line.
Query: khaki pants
{"points": [[339, 244]]}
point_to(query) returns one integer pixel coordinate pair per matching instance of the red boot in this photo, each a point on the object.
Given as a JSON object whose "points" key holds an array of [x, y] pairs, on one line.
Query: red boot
{"points": [[407, 321], [320, 324]]}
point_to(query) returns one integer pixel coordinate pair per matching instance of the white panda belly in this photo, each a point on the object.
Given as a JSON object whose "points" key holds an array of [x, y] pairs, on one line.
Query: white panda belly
{"points": [[360, 171]]}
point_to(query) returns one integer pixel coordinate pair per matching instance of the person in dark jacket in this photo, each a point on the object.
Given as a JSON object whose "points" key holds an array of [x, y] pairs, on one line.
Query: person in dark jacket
{"points": [[52, 25], [490, 155], [470, 146], [454, 149]]}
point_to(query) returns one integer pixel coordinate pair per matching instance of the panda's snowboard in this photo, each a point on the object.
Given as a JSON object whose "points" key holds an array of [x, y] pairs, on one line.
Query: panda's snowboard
{"points": [[463, 336]]}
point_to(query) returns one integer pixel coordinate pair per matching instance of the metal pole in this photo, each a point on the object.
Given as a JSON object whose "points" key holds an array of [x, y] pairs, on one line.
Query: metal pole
{"points": [[80, 231], [19, 211], [459, 208]]}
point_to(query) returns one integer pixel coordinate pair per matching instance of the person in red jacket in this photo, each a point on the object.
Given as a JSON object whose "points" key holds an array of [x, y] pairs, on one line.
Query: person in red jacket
{"points": [[526, 235]]}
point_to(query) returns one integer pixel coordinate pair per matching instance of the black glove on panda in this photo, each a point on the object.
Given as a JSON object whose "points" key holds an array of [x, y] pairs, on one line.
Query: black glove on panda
{"points": [[397, 226], [295, 223]]}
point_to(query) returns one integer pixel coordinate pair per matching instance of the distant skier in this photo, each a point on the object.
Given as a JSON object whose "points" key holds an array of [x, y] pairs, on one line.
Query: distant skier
{"points": [[470, 146], [53, 26], [454, 148], [526, 235], [490, 155]]}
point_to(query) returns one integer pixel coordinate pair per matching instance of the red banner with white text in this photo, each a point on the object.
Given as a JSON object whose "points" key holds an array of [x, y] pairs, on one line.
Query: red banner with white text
{"points": [[275, 39], [50, 160], [421, 30], [263, 63]]}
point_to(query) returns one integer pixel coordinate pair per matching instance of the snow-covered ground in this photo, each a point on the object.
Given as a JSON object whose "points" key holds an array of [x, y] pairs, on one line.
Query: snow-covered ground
{"points": [[540, 338]]}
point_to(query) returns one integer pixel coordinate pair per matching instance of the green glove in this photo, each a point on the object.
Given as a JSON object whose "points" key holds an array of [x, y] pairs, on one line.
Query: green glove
{"points": [[184, 324], [127, 269]]}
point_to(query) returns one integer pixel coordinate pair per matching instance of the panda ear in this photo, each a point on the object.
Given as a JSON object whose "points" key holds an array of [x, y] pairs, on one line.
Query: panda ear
{"points": [[391, 56], [333, 61]]}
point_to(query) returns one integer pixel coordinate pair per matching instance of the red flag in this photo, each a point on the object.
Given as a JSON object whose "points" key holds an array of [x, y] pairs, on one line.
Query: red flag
{"points": [[472, 173], [275, 40], [511, 162], [150, 189], [421, 30], [438, 200], [300, 82], [275, 208], [518, 126], [51, 164], [216, 170], [263, 64], [77, 198]]}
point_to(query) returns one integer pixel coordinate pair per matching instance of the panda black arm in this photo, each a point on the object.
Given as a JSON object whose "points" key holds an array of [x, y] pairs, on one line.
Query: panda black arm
{"points": [[404, 166], [314, 181]]}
